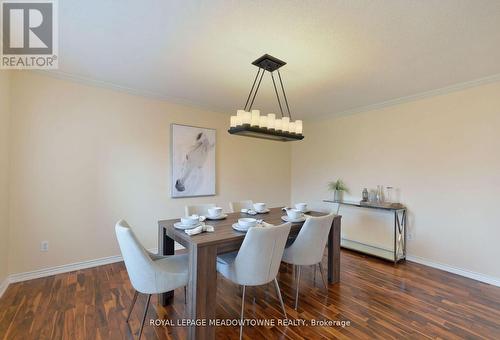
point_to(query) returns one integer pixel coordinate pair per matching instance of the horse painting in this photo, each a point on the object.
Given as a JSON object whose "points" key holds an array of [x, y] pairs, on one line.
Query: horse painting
{"points": [[193, 161]]}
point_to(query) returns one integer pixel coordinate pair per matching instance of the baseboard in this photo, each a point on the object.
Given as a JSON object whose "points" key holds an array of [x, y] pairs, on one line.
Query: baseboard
{"points": [[4, 285], [117, 258], [459, 271], [36, 274]]}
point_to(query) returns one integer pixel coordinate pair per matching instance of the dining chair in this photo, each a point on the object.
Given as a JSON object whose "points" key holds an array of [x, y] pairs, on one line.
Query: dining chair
{"points": [[198, 209], [149, 273], [257, 262], [237, 206], [308, 247]]}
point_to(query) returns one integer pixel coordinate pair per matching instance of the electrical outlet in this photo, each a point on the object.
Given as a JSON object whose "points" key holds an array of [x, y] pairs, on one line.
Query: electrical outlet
{"points": [[44, 246]]}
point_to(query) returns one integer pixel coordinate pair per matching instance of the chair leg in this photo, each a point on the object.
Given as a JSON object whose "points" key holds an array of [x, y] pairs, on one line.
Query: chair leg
{"points": [[278, 292], [134, 299], [242, 309], [322, 275], [297, 290], [144, 316], [314, 275]]}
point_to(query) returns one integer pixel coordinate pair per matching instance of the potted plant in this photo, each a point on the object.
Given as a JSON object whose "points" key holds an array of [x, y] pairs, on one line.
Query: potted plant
{"points": [[338, 187]]}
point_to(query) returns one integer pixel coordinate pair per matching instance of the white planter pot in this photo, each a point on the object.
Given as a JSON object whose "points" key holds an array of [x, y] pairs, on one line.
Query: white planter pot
{"points": [[338, 195]]}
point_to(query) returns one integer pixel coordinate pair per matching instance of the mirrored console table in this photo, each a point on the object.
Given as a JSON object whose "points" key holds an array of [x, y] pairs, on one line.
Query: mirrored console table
{"points": [[398, 252]]}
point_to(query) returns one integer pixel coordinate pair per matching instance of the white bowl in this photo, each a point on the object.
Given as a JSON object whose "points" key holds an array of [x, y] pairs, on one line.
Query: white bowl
{"points": [[294, 214], [301, 206], [247, 222], [190, 220], [214, 212], [259, 206]]}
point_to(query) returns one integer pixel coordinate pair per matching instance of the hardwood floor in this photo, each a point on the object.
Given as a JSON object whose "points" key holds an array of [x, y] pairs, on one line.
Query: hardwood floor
{"points": [[378, 299]]}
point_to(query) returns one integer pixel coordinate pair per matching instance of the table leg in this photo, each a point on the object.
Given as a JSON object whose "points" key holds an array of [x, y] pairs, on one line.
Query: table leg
{"points": [[202, 289], [334, 251], [166, 246]]}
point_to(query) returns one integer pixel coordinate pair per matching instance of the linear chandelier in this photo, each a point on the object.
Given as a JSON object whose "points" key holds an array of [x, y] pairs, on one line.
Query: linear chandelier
{"points": [[251, 123]]}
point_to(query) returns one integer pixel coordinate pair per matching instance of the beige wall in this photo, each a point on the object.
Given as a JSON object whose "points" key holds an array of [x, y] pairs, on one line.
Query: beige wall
{"points": [[5, 78], [84, 157], [443, 153]]}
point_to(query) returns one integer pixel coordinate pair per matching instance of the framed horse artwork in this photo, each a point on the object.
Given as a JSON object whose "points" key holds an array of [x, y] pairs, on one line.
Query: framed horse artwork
{"points": [[193, 161]]}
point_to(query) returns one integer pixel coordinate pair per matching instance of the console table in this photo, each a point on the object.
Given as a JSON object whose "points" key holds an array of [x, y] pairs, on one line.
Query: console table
{"points": [[398, 252]]}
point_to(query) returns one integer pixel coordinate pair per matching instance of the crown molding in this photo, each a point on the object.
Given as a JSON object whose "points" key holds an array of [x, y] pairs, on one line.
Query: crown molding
{"points": [[124, 89], [414, 97]]}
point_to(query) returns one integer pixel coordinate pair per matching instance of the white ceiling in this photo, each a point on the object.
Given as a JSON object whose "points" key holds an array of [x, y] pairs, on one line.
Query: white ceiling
{"points": [[341, 55]]}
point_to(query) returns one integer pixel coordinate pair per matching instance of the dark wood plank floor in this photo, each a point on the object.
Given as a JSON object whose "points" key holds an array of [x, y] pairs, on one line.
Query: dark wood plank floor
{"points": [[378, 299]]}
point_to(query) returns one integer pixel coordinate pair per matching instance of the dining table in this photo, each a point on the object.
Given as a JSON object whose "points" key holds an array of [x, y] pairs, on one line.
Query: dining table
{"points": [[203, 250]]}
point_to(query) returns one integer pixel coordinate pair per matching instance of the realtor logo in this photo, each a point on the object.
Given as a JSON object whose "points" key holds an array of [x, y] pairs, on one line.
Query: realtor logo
{"points": [[29, 34]]}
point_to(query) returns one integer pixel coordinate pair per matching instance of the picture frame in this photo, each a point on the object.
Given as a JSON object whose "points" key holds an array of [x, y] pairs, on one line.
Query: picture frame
{"points": [[193, 163]]}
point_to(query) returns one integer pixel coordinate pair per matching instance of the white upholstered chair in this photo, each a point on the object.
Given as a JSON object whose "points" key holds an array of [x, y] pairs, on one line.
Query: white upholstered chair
{"points": [[309, 246], [257, 262], [237, 206], [149, 273], [199, 209]]}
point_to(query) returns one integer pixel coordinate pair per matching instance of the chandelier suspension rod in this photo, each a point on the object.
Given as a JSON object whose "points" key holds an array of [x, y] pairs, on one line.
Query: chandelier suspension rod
{"points": [[277, 95], [284, 95], [251, 90], [256, 90]]}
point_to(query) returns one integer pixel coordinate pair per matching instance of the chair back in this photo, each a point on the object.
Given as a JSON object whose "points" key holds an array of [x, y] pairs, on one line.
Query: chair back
{"points": [[237, 206], [137, 261], [309, 246], [259, 257], [199, 209]]}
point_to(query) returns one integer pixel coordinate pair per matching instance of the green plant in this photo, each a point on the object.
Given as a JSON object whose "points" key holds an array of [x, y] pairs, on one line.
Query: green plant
{"points": [[338, 185]]}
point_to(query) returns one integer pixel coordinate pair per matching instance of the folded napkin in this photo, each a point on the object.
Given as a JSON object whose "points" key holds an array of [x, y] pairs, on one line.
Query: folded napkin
{"points": [[198, 230], [200, 218]]}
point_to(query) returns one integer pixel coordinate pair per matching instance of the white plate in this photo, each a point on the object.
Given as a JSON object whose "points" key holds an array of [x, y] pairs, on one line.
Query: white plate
{"points": [[296, 220], [237, 227], [263, 211], [181, 226], [220, 217]]}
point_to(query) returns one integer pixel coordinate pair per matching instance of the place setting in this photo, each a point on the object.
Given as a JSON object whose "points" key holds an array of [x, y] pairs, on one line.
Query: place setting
{"points": [[193, 225], [258, 208], [244, 224], [297, 214], [215, 214]]}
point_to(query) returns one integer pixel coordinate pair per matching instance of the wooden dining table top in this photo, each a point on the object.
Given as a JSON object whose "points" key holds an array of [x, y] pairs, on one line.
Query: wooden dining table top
{"points": [[223, 230]]}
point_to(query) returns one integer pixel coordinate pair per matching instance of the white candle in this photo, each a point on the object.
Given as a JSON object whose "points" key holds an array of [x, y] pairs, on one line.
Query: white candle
{"points": [[271, 118], [291, 127], [263, 122], [255, 117], [240, 114], [247, 118], [277, 124], [285, 121], [298, 127], [233, 121]]}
